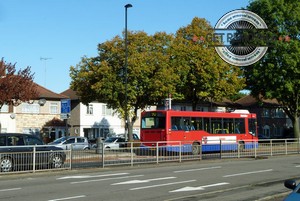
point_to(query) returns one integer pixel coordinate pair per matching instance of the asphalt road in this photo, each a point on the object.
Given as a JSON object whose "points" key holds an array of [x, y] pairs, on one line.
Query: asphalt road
{"points": [[226, 180]]}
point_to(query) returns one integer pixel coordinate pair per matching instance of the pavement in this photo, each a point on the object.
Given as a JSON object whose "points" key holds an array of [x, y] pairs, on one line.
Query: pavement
{"points": [[278, 197]]}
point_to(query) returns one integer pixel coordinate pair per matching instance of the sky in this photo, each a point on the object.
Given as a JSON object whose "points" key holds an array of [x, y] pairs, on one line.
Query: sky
{"points": [[52, 35]]}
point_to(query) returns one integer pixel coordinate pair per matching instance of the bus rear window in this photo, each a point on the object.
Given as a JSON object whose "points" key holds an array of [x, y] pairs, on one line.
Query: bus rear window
{"points": [[153, 122]]}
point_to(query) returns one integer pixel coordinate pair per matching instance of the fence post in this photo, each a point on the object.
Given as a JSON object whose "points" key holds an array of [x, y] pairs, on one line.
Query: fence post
{"points": [[271, 145], [255, 149], [102, 154], [220, 149], [298, 144], [238, 148], [71, 156], [200, 150], [286, 149], [34, 158], [131, 151], [180, 150], [157, 152]]}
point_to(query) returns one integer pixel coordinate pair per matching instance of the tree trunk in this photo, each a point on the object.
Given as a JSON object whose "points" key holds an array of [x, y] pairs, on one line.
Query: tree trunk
{"points": [[129, 129]]}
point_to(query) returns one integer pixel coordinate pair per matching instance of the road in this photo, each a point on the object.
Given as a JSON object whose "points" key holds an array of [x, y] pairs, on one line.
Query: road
{"points": [[226, 180]]}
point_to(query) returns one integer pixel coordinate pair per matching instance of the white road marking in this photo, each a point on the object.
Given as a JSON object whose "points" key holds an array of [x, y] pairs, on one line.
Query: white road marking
{"points": [[158, 185], [245, 173], [190, 188], [96, 180], [298, 166], [143, 181], [90, 176], [69, 198], [191, 170], [10, 189]]}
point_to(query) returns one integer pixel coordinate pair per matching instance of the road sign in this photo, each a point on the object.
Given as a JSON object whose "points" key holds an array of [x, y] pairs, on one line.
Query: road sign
{"points": [[65, 115], [65, 106]]}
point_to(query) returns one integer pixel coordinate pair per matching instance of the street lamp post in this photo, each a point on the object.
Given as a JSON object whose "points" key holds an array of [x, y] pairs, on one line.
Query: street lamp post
{"points": [[126, 63]]}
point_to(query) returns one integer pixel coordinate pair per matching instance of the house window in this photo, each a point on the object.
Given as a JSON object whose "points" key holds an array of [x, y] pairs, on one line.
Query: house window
{"points": [[53, 108], [3, 130], [33, 131], [279, 113], [266, 131], [4, 108], [266, 112], [30, 108], [106, 111], [89, 109], [183, 108]]}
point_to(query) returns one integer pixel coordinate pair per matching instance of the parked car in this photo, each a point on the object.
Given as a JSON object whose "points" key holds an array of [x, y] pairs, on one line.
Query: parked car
{"points": [[16, 151], [134, 136], [77, 143], [295, 194], [114, 143]]}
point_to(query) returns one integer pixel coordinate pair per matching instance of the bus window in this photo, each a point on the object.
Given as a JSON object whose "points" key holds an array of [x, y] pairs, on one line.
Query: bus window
{"points": [[175, 123], [185, 123], [216, 125], [239, 126], [206, 124], [228, 125]]}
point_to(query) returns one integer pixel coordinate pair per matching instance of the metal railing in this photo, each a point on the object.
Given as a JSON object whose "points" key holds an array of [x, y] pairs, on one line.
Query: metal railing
{"points": [[134, 153]]}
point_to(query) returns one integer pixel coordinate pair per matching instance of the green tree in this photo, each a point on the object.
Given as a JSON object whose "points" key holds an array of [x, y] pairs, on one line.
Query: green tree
{"points": [[204, 75], [150, 76], [277, 75]]}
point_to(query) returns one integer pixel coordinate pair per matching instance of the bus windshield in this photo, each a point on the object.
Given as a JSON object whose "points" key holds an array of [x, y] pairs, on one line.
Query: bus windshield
{"points": [[154, 121], [252, 127]]}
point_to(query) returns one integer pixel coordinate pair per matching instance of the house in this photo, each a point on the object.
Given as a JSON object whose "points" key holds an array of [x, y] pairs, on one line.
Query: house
{"points": [[34, 117], [95, 119], [203, 106], [272, 122]]}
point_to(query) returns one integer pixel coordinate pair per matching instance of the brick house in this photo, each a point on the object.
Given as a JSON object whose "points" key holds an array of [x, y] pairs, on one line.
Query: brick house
{"points": [[272, 122], [32, 117]]}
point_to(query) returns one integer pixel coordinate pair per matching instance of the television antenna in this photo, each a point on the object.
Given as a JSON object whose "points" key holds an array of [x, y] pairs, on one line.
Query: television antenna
{"points": [[45, 66]]}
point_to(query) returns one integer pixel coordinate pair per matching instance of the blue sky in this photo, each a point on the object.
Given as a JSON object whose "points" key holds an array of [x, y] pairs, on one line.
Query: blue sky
{"points": [[62, 31]]}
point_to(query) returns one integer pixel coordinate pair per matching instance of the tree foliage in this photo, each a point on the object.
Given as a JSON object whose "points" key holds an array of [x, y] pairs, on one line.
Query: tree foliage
{"points": [[150, 77], [277, 75], [158, 65], [16, 87], [203, 73]]}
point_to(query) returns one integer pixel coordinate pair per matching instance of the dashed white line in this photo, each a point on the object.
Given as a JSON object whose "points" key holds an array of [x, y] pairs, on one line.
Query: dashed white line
{"points": [[10, 189], [158, 185], [69, 198], [245, 173], [143, 181], [191, 170], [90, 176], [96, 180]]}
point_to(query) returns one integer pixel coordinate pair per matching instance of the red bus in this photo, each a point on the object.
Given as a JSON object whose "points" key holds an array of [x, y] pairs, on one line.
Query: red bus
{"points": [[192, 129]]}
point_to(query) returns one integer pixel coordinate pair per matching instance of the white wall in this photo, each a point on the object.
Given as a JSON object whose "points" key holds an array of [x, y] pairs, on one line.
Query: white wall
{"points": [[7, 123], [97, 119]]}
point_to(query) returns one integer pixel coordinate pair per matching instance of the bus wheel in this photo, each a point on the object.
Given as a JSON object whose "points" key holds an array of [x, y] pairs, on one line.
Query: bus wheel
{"points": [[196, 148], [241, 146]]}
